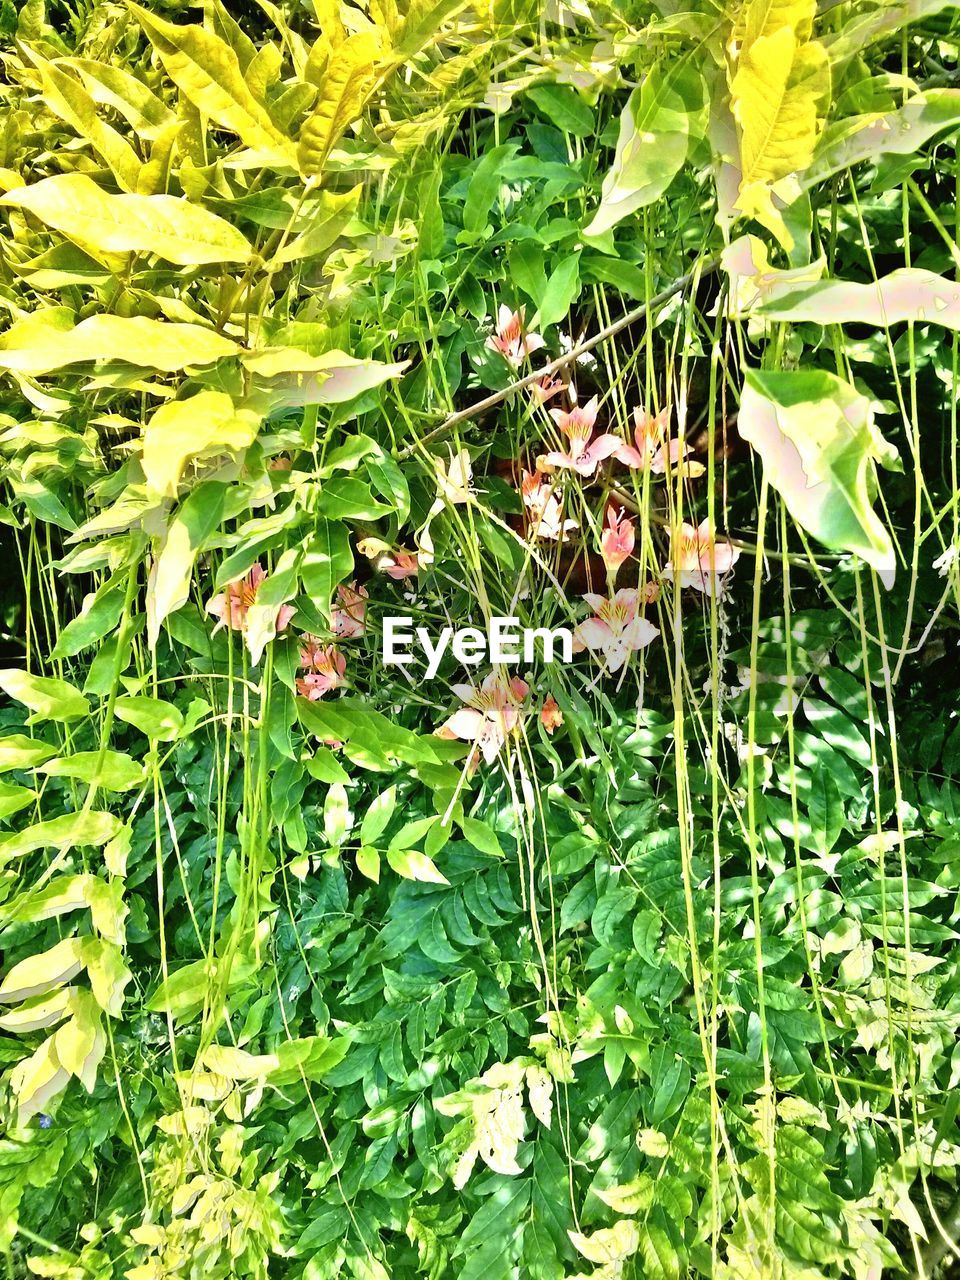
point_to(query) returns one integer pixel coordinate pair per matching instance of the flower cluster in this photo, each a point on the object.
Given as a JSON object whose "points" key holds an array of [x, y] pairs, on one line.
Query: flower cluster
{"points": [[324, 664], [616, 627]]}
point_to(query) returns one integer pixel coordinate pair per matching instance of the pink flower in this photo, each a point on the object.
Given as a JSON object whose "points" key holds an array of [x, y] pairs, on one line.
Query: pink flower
{"points": [[616, 630], [543, 509], [551, 717], [326, 669], [584, 455], [348, 616], [510, 339], [546, 388], [399, 564], [491, 713], [233, 604], [651, 448], [698, 560], [617, 540], [650, 592]]}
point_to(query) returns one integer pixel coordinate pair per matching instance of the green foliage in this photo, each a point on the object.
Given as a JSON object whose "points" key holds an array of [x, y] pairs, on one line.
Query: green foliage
{"points": [[642, 965]]}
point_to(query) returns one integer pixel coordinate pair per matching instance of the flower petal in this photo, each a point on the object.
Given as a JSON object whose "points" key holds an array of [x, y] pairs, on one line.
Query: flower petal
{"points": [[594, 633]]}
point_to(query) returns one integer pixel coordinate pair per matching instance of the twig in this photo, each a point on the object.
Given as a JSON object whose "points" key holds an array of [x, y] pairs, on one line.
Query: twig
{"points": [[472, 411]]}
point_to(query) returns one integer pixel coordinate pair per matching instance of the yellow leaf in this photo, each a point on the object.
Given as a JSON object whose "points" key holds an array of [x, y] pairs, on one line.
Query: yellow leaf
{"points": [[69, 100], [38, 974], [777, 93], [207, 72], [80, 1043], [47, 697], [609, 1245], [237, 1064], [95, 827], [107, 973], [43, 342], [758, 18], [36, 1080], [37, 1013], [351, 75], [182, 431], [168, 226]]}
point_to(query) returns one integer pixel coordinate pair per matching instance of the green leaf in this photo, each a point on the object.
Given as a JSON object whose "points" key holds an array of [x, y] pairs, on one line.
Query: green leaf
{"points": [[98, 616], [564, 107], [901, 132], [47, 698], [168, 226], [347, 498], [562, 290], [412, 833], [481, 836], [883, 20], [169, 585], [390, 483], [378, 815], [349, 455], [327, 561], [160, 721], [655, 129], [825, 809], [113, 771], [816, 437], [181, 431], [484, 187]]}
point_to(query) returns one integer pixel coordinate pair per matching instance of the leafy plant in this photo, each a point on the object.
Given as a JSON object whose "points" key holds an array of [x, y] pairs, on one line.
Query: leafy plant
{"points": [[600, 318]]}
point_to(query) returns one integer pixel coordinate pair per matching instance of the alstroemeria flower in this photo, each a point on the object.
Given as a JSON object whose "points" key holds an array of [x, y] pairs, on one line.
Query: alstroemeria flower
{"points": [[546, 388], [650, 592], [233, 604], [551, 717], [616, 630], [697, 560], [617, 540], [399, 564], [347, 616], [651, 448], [396, 563], [584, 455], [454, 478], [491, 713], [510, 339], [326, 666], [543, 509]]}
